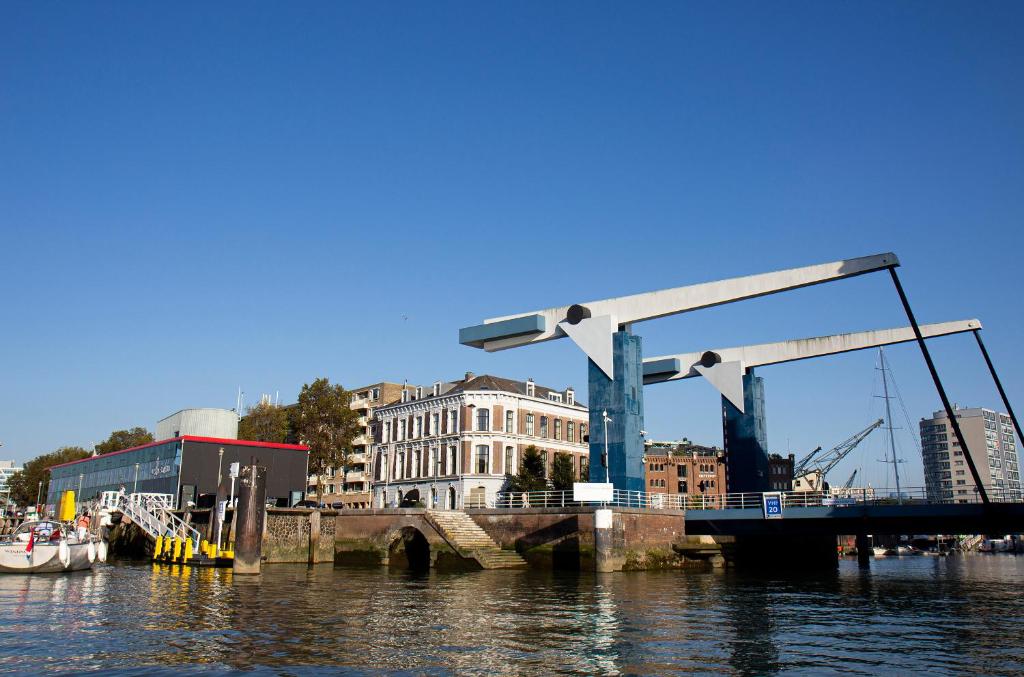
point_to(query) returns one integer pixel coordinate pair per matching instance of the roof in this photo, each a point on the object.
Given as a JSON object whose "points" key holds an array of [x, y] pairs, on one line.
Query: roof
{"points": [[190, 438], [496, 383]]}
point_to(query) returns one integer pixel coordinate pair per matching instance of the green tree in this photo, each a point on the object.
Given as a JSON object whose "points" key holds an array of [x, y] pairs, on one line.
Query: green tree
{"points": [[327, 424], [124, 439], [562, 472], [24, 484], [265, 422], [531, 472]]}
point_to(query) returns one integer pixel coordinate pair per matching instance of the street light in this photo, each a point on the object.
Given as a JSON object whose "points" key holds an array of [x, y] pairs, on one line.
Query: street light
{"points": [[39, 494], [604, 459]]}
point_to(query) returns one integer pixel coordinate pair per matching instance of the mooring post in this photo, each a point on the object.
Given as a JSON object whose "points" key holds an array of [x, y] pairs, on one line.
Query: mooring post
{"points": [[603, 540], [864, 551], [252, 496], [314, 535]]}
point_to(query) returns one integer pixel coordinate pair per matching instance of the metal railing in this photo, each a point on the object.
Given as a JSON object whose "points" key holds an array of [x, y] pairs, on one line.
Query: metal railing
{"points": [[153, 515], [834, 498], [563, 499]]}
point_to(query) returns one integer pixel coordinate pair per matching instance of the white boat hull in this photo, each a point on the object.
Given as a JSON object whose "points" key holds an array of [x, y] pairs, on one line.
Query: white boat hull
{"points": [[46, 558]]}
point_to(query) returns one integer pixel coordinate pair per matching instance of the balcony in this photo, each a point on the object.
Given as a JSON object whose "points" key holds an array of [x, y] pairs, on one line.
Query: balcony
{"points": [[357, 459], [356, 476]]}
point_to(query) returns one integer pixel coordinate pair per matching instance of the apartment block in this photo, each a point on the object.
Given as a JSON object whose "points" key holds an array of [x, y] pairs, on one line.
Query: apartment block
{"points": [[992, 445]]}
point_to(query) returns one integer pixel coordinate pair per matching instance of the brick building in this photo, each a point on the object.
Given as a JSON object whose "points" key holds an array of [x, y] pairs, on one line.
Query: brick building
{"points": [[683, 468], [350, 486], [454, 444], [780, 472]]}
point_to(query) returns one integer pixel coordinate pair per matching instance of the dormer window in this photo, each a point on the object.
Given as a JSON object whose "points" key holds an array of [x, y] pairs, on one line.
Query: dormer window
{"points": [[530, 390], [437, 388], [570, 396], [405, 395], [555, 397], [419, 392]]}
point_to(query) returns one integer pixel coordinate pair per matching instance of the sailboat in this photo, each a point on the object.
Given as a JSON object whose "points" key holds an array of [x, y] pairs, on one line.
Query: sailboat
{"points": [[47, 546]]}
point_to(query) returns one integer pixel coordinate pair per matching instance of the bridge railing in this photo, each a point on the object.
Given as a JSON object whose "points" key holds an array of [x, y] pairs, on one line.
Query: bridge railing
{"points": [[833, 498]]}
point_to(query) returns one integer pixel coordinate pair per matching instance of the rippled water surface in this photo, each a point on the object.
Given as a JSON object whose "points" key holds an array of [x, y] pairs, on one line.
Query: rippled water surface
{"points": [[946, 616]]}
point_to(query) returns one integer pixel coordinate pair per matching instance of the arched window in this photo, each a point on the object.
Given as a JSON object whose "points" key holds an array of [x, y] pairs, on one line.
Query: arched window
{"points": [[483, 419]]}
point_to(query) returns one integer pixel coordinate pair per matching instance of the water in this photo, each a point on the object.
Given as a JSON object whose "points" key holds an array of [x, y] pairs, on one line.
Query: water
{"points": [[951, 616]]}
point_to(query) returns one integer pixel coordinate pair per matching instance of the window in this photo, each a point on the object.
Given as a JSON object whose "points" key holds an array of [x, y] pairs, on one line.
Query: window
{"points": [[453, 420], [558, 428], [529, 424], [584, 469], [544, 457], [555, 397], [416, 463], [509, 420], [481, 458], [483, 419], [375, 394], [401, 429], [569, 431], [681, 469], [452, 460], [543, 426], [583, 432], [435, 424], [508, 461], [419, 426]]}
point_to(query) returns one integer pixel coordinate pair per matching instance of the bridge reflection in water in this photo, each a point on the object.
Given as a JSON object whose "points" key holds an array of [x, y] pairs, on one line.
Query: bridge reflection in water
{"points": [[944, 615]]}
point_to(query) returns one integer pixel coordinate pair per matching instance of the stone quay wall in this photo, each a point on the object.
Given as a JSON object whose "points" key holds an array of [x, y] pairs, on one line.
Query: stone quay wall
{"points": [[367, 537], [299, 535], [642, 538]]}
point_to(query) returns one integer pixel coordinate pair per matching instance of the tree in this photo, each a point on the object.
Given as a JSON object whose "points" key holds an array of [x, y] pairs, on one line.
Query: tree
{"points": [[562, 472], [24, 484], [124, 439], [265, 422], [327, 425], [531, 472]]}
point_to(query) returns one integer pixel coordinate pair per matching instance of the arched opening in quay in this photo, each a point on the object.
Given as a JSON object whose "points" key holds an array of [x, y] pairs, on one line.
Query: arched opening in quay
{"points": [[409, 550]]}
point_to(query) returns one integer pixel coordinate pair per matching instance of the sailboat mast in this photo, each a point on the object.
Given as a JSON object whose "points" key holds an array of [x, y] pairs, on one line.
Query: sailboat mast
{"points": [[888, 420]]}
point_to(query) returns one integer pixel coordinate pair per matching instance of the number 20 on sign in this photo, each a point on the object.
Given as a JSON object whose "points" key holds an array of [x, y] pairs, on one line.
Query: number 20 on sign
{"points": [[772, 506]]}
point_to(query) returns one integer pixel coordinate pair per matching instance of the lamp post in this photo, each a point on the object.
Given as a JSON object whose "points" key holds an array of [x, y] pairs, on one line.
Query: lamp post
{"points": [[39, 494], [135, 484], [606, 418]]}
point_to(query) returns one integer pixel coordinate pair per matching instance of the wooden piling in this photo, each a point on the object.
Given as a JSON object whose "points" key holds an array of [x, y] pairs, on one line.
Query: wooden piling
{"points": [[250, 515]]}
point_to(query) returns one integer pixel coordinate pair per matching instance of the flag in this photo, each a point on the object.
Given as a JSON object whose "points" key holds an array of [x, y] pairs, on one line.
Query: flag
{"points": [[31, 539]]}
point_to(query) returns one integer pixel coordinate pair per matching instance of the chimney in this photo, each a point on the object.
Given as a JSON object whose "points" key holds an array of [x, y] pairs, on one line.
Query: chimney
{"points": [[470, 376]]}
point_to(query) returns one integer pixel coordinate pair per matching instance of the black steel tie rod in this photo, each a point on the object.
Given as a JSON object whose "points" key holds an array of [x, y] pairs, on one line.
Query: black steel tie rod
{"points": [[938, 386], [999, 384]]}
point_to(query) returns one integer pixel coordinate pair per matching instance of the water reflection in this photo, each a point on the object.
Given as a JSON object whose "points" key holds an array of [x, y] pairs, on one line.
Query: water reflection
{"points": [[944, 615]]}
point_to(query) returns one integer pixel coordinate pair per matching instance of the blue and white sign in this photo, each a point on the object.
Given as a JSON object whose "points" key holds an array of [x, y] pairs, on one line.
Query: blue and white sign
{"points": [[772, 505]]}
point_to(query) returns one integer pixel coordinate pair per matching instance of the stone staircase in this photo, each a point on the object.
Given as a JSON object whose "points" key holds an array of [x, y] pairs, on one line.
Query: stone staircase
{"points": [[472, 542]]}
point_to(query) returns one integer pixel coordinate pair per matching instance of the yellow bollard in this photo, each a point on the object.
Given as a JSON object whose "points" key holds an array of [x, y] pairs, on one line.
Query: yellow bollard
{"points": [[177, 549], [187, 554], [204, 547], [159, 547]]}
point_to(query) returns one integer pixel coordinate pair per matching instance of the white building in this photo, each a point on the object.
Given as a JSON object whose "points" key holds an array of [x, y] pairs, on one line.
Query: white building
{"points": [[219, 423], [992, 445], [453, 445], [7, 468]]}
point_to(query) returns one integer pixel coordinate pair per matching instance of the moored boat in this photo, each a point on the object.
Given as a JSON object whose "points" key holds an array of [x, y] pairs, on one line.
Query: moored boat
{"points": [[47, 546]]}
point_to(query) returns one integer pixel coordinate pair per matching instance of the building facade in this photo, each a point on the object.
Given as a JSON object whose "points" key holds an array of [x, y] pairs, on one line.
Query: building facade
{"points": [[350, 486], [187, 468], [454, 445], [7, 468], [681, 468], [993, 447], [780, 472]]}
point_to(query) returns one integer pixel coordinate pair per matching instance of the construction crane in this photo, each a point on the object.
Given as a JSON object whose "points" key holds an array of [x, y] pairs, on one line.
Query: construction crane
{"points": [[849, 482], [816, 465]]}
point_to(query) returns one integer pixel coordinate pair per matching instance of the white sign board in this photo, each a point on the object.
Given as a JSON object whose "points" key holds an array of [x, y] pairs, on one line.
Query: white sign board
{"points": [[584, 492], [221, 510], [233, 470]]}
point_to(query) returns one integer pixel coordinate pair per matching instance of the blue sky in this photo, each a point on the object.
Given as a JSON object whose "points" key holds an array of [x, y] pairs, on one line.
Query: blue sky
{"points": [[198, 198]]}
